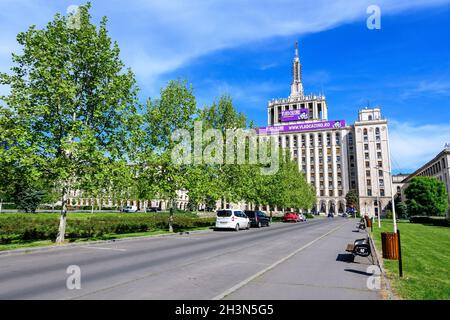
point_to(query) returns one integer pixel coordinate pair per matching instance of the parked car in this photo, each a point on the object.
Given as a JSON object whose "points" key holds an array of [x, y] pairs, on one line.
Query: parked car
{"points": [[152, 209], [291, 217], [302, 217], [232, 219], [258, 219], [130, 209]]}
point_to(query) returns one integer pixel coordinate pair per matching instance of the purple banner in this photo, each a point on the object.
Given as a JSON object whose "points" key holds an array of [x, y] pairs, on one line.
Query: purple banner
{"points": [[313, 126], [293, 115]]}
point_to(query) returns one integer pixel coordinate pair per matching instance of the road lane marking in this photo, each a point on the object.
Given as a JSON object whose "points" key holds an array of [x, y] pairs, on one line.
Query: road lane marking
{"points": [[272, 266], [103, 248]]}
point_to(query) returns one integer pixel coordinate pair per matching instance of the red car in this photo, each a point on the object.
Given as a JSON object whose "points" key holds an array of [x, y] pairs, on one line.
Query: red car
{"points": [[291, 217]]}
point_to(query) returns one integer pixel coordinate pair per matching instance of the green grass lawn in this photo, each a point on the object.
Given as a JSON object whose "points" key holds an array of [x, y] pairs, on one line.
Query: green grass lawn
{"points": [[46, 243], [426, 260]]}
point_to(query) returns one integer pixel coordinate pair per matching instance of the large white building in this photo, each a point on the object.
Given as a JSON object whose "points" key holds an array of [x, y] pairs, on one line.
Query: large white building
{"points": [[335, 156]]}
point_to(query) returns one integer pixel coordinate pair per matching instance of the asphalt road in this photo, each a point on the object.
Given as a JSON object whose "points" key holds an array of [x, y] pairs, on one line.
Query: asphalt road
{"points": [[283, 261]]}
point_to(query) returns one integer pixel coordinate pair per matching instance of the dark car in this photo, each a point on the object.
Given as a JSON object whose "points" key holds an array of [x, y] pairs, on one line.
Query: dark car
{"points": [[152, 209], [257, 218]]}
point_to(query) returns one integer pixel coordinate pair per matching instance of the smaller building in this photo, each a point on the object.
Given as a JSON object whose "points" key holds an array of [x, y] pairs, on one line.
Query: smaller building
{"points": [[439, 168]]}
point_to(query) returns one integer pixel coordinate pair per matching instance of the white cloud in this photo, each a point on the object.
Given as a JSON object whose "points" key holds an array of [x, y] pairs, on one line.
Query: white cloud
{"points": [[413, 145], [160, 36]]}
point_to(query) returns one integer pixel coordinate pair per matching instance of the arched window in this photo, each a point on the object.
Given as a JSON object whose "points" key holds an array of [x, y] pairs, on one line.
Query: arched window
{"points": [[370, 118], [377, 131]]}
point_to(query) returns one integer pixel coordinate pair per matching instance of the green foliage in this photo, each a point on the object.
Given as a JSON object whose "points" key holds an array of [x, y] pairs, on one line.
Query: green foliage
{"points": [[443, 222], [28, 199], [389, 214], [45, 226], [426, 196], [72, 108], [352, 199]]}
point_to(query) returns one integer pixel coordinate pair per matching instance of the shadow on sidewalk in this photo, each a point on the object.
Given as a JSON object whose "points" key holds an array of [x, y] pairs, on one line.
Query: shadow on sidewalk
{"points": [[345, 257], [359, 272]]}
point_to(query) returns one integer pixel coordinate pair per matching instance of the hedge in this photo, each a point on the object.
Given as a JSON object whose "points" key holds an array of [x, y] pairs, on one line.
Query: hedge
{"points": [[31, 227], [435, 221]]}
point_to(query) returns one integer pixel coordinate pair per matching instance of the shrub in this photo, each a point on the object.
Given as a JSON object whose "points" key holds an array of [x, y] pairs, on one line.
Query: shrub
{"points": [[45, 226], [435, 221]]}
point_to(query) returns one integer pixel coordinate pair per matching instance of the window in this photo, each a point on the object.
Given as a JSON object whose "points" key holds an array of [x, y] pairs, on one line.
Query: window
{"points": [[380, 173], [366, 156], [378, 146], [366, 147], [370, 118], [382, 193], [368, 173], [379, 155], [367, 164], [369, 182], [369, 192]]}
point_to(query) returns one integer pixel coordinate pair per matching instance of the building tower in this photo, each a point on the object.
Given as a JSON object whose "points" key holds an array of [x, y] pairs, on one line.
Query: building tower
{"points": [[297, 85]]}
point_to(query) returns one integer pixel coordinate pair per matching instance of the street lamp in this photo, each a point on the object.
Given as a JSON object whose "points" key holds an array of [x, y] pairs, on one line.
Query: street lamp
{"points": [[392, 200]]}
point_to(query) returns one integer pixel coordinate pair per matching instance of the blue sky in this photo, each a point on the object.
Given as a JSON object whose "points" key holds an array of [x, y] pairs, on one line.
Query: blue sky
{"points": [[245, 49]]}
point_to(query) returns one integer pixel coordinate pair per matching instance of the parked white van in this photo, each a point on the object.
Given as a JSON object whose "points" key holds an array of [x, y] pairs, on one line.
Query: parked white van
{"points": [[232, 219], [129, 209]]}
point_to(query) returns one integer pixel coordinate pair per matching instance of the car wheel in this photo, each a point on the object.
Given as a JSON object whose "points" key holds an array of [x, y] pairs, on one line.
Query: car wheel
{"points": [[237, 227], [259, 224], [268, 224], [248, 226]]}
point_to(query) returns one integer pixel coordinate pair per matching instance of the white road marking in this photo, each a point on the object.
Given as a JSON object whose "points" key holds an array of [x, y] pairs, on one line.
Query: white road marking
{"points": [[102, 248], [246, 281]]}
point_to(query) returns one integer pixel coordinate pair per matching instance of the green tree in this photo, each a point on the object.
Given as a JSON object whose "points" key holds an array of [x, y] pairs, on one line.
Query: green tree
{"points": [[229, 182], [175, 109], [426, 196], [352, 199], [71, 102]]}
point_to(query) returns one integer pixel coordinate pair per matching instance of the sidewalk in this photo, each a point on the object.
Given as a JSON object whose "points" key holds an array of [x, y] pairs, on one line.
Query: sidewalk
{"points": [[321, 271]]}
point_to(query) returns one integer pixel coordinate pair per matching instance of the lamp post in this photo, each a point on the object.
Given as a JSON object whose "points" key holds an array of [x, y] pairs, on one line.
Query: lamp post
{"points": [[392, 199]]}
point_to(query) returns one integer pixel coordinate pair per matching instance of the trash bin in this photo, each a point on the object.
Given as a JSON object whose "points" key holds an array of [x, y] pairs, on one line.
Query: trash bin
{"points": [[389, 244], [368, 222]]}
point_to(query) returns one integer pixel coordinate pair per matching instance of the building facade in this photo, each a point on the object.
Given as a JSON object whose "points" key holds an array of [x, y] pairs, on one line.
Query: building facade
{"points": [[438, 168]]}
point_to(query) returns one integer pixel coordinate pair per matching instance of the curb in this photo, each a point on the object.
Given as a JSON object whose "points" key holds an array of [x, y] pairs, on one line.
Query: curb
{"points": [[70, 245], [386, 282]]}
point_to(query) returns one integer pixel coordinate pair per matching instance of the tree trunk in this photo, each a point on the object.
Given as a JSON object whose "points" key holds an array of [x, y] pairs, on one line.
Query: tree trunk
{"points": [[171, 216], [1, 205], [92, 206], [62, 219]]}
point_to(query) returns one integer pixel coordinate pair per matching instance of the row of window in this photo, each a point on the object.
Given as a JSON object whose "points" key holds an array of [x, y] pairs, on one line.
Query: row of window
{"points": [[311, 140], [435, 169]]}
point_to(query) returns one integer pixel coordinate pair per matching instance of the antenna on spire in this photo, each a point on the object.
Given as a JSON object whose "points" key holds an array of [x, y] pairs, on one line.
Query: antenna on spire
{"points": [[296, 48]]}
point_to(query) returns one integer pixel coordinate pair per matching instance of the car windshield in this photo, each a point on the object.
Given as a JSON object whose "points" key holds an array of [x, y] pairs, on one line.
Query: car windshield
{"points": [[224, 213], [250, 214]]}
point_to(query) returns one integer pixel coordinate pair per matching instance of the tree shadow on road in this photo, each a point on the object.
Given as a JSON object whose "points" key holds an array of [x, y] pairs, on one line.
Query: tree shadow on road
{"points": [[359, 272]]}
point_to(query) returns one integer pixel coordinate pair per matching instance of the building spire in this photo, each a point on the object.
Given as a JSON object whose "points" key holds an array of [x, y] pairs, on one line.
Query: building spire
{"points": [[297, 85]]}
